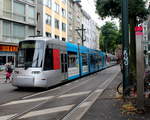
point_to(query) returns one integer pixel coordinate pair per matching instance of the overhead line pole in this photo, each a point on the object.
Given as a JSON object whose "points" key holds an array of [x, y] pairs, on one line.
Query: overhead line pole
{"points": [[125, 43]]}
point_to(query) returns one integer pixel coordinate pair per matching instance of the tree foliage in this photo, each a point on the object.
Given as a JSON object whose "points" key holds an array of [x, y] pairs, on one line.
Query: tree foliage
{"points": [[110, 37], [137, 13], [106, 8]]}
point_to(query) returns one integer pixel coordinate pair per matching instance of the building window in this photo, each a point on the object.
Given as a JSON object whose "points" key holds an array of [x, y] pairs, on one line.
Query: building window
{"points": [[6, 29], [31, 31], [56, 7], [63, 39], [7, 8], [148, 47], [31, 14], [64, 1], [64, 27], [19, 11], [48, 34], [56, 23], [48, 19], [56, 37], [31, 1], [18, 28], [49, 3], [63, 12]]}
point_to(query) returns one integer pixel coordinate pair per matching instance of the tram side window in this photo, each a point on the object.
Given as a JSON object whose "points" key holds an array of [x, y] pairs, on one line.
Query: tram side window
{"points": [[48, 63], [84, 60], [72, 59], [100, 60], [92, 58]]}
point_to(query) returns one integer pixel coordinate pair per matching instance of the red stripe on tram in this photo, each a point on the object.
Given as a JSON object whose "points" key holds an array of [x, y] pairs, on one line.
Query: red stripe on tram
{"points": [[56, 59]]}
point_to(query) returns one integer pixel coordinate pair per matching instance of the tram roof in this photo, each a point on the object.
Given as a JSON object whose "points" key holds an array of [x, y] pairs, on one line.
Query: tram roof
{"points": [[47, 39]]}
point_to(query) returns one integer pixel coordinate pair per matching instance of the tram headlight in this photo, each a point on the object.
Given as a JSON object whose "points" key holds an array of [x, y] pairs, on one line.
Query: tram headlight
{"points": [[35, 72]]}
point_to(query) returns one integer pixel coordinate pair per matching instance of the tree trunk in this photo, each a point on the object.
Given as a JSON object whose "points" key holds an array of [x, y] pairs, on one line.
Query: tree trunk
{"points": [[132, 52]]}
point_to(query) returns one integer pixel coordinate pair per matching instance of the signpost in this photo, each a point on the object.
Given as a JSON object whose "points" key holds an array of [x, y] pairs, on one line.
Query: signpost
{"points": [[139, 67], [125, 45]]}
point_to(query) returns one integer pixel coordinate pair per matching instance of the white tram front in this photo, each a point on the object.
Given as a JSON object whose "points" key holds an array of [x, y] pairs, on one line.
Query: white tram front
{"points": [[39, 63]]}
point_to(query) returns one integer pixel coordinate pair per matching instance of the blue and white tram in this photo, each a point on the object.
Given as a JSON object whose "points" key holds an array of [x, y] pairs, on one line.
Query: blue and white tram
{"points": [[44, 62]]}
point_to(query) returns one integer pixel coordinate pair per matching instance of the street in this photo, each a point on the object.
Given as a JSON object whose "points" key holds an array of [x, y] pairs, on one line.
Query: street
{"points": [[67, 102]]}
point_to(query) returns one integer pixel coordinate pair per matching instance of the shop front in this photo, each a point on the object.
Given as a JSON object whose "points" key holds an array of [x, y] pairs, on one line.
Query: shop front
{"points": [[7, 55]]}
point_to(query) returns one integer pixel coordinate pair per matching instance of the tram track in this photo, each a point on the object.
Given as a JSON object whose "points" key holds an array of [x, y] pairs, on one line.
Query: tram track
{"points": [[86, 102], [80, 109], [70, 87], [17, 115]]}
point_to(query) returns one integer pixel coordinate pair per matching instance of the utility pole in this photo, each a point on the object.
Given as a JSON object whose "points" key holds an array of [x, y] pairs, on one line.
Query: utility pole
{"points": [[125, 43], [82, 33]]}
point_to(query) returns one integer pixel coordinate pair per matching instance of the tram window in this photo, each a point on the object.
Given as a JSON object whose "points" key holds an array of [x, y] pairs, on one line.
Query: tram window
{"points": [[72, 59], [65, 58], [62, 59], [92, 59], [100, 60], [62, 68], [84, 59], [48, 63]]}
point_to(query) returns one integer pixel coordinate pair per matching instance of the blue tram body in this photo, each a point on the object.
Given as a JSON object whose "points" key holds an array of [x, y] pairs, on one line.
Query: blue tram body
{"points": [[84, 61], [73, 61], [55, 62]]}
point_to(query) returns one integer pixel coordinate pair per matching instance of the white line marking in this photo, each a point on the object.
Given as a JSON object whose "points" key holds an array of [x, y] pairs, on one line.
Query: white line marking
{"points": [[78, 112], [6, 117], [39, 93], [75, 94], [85, 104], [55, 89], [28, 100], [47, 111]]}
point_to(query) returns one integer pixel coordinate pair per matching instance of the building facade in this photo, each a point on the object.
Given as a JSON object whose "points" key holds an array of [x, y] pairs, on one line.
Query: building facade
{"points": [[52, 19], [17, 21], [91, 33], [74, 16]]}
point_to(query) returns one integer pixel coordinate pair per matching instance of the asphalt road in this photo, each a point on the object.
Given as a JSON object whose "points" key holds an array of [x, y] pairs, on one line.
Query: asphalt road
{"points": [[67, 102]]}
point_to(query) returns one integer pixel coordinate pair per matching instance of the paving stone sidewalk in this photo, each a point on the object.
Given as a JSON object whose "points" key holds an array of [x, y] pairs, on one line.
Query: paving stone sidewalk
{"points": [[109, 107]]}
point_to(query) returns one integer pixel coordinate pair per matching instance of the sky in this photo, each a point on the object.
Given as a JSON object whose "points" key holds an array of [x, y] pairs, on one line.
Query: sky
{"points": [[89, 7]]}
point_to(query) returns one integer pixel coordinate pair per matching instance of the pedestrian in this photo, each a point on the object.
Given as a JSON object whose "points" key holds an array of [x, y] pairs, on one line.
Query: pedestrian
{"points": [[8, 72]]}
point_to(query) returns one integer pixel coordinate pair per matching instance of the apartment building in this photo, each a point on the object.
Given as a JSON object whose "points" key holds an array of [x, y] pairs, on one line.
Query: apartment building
{"points": [[77, 17], [92, 31], [52, 19], [74, 16], [17, 21]]}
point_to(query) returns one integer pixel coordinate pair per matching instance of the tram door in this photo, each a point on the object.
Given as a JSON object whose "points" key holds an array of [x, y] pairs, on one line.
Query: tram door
{"points": [[64, 65]]}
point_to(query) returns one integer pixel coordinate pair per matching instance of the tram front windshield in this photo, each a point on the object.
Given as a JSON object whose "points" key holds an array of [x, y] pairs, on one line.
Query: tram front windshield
{"points": [[30, 54]]}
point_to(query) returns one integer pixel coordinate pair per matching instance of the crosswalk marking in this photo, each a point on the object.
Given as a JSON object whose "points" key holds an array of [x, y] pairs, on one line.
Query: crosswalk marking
{"points": [[47, 111], [28, 100], [75, 94]]}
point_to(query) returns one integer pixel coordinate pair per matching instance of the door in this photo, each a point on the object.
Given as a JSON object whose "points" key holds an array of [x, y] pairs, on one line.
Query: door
{"points": [[64, 65]]}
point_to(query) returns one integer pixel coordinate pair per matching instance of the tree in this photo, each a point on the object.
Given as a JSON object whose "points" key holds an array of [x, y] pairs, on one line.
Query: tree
{"points": [[109, 37], [137, 13]]}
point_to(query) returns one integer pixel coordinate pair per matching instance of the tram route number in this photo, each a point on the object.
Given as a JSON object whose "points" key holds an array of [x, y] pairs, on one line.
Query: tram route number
{"points": [[125, 57]]}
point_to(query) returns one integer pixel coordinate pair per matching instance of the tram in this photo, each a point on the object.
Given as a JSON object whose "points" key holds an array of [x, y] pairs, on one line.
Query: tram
{"points": [[44, 62]]}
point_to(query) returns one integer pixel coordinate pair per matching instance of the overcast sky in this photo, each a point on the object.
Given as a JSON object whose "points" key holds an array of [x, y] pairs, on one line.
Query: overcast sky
{"points": [[89, 7]]}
